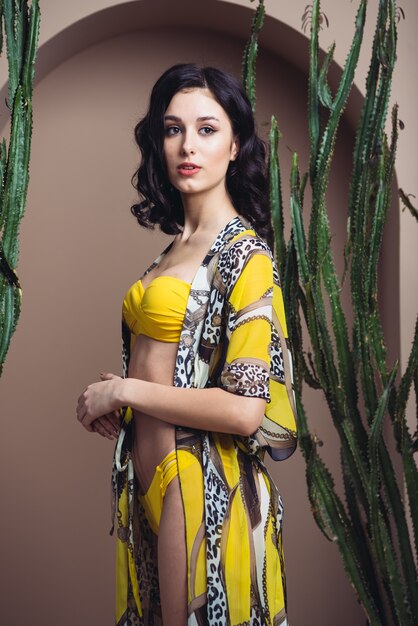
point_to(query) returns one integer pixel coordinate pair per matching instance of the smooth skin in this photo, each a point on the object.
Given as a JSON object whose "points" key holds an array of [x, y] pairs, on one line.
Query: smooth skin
{"points": [[197, 130]]}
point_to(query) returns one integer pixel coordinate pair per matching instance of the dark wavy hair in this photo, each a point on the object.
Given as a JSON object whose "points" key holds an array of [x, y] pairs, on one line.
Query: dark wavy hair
{"points": [[246, 177]]}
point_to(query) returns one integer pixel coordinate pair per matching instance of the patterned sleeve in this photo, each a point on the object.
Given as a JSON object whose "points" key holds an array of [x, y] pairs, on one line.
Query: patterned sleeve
{"points": [[257, 359], [246, 369]]}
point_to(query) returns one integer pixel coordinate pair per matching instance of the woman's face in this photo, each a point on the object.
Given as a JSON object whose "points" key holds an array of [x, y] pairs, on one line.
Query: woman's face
{"points": [[197, 131]]}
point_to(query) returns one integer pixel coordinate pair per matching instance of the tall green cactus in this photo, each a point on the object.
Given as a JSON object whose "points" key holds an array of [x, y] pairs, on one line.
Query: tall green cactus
{"points": [[370, 527], [250, 53], [21, 27]]}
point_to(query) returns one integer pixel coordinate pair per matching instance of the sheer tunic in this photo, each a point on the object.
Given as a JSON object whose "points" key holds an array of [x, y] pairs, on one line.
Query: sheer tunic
{"points": [[233, 336]]}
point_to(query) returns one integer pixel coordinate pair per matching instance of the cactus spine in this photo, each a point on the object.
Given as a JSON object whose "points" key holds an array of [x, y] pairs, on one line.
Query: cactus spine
{"points": [[370, 527], [21, 27]]}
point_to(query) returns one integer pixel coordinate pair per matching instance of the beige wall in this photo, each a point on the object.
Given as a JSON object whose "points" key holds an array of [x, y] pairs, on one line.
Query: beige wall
{"points": [[80, 250]]}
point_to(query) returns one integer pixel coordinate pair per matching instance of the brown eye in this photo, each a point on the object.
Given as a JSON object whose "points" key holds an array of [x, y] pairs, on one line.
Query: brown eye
{"points": [[208, 128], [168, 130]]}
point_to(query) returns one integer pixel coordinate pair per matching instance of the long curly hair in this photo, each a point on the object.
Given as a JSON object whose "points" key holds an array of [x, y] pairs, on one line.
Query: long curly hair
{"points": [[246, 176]]}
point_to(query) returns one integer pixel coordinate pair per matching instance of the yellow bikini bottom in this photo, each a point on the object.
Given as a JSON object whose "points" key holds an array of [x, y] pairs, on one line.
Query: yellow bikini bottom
{"points": [[152, 501]]}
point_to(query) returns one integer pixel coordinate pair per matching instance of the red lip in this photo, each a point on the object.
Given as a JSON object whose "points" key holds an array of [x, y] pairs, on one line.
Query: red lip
{"points": [[186, 164], [188, 169]]}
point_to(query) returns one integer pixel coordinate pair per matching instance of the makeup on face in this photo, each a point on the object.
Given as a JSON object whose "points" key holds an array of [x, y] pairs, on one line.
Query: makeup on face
{"points": [[198, 141]]}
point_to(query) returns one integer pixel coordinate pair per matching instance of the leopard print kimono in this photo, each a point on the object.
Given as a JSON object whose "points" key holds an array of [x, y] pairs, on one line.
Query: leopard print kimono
{"points": [[234, 337]]}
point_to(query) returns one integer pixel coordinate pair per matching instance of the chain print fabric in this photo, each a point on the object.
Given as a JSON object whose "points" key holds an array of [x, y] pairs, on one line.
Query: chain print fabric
{"points": [[234, 337]]}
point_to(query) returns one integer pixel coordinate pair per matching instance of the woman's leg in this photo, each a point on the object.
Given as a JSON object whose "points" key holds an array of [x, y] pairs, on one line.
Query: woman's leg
{"points": [[172, 560]]}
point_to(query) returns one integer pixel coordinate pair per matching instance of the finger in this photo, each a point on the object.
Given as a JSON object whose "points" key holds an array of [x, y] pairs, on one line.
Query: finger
{"points": [[98, 429], [79, 403], [114, 425], [115, 421], [83, 418], [81, 412], [81, 399], [107, 427], [88, 427], [101, 430], [108, 375], [81, 406], [116, 428]]}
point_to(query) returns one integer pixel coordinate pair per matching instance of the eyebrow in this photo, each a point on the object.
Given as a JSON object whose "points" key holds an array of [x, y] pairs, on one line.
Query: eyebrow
{"points": [[203, 118]]}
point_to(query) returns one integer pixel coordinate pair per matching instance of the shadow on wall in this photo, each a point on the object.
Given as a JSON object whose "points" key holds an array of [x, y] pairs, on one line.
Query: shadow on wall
{"points": [[80, 250]]}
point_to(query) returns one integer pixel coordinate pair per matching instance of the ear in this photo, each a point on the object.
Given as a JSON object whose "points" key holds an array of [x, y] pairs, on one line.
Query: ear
{"points": [[235, 148]]}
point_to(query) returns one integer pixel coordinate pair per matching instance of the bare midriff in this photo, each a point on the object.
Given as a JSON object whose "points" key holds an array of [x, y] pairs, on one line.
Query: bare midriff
{"points": [[154, 361]]}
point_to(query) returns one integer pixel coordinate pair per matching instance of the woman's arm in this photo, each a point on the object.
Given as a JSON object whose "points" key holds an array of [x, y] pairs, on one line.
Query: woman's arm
{"points": [[238, 402], [211, 409]]}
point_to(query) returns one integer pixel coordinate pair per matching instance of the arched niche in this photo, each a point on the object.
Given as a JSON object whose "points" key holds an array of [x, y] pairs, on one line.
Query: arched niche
{"points": [[80, 251]]}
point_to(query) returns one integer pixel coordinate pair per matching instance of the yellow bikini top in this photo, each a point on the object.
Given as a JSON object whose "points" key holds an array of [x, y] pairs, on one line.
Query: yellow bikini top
{"points": [[157, 311]]}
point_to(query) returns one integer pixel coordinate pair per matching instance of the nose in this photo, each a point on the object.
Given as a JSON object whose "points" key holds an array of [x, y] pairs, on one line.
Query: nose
{"points": [[187, 146]]}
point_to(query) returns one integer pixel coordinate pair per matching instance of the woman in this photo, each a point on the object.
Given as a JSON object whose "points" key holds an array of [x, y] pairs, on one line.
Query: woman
{"points": [[206, 388]]}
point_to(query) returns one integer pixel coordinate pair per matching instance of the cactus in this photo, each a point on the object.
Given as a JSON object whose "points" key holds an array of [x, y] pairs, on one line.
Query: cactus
{"points": [[250, 53], [21, 27], [350, 367]]}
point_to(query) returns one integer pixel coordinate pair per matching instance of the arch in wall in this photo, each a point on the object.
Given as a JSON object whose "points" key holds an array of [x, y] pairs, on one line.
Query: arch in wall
{"points": [[222, 17], [227, 19], [285, 43]]}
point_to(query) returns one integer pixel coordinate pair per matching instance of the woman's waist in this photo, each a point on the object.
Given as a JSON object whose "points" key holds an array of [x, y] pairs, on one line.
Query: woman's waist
{"points": [[152, 360]]}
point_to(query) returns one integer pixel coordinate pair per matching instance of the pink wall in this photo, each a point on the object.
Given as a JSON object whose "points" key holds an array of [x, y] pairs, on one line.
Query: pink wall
{"points": [[80, 250]]}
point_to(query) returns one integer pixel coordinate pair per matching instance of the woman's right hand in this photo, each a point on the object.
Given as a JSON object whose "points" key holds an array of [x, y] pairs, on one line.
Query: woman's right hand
{"points": [[107, 425]]}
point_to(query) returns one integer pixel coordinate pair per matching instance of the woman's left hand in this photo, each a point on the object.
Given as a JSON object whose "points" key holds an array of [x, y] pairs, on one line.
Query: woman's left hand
{"points": [[99, 399]]}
